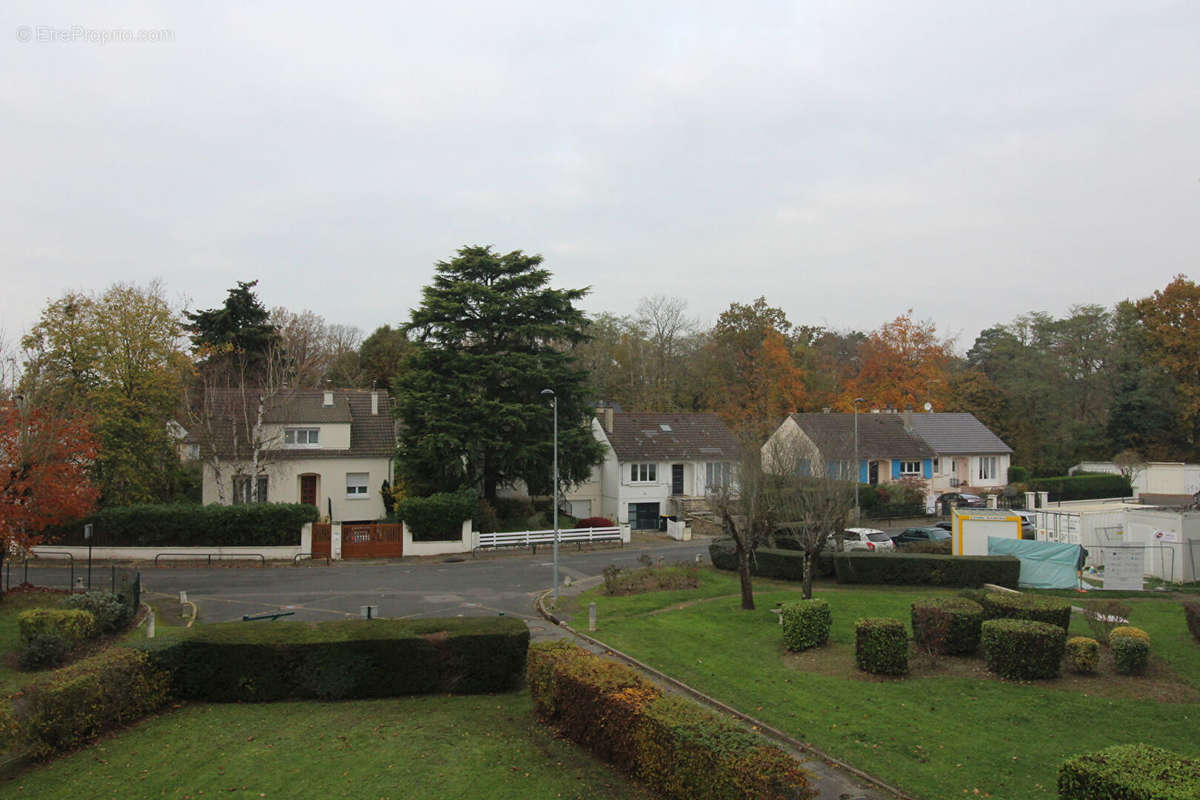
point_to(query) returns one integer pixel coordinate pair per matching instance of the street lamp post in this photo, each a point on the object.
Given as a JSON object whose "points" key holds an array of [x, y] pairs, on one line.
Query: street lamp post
{"points": [[857, 512], [554, 494]]}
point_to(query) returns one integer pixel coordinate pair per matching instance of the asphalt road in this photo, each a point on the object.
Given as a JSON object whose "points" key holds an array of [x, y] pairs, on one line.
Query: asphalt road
{"points": [[494, 584]]}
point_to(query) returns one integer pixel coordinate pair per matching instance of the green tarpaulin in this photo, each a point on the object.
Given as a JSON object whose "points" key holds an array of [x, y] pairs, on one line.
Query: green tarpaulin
{"points": [[1044, 565]]}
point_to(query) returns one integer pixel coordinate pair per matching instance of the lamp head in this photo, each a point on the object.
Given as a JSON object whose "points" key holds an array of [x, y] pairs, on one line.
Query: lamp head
{"points": [[547, 393]]}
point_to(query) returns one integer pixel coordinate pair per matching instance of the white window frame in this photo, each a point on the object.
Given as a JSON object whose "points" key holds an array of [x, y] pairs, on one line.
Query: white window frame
{"points": [[717, 475], [292, 437], [905, 470], [358, 485], [646, 472], [244, 485], [987, 468]]}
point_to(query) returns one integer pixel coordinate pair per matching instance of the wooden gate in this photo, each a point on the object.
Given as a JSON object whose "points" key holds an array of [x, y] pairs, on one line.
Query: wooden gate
{"points": [[379, 540], [320, 539]]}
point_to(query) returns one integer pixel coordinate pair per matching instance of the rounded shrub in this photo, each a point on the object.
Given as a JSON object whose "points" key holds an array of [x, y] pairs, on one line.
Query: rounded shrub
{"points": [[806, 624], [1083, 654], [111, 614], [1023, 649], [1051, 610], [1191, 609], [44, 651], [881, 646], [947, 625], [73, 625], [1130, 649]]}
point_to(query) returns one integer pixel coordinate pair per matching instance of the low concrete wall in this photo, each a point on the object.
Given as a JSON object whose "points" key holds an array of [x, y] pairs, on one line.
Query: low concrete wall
{"points": [[149, 553], [465, 544]]}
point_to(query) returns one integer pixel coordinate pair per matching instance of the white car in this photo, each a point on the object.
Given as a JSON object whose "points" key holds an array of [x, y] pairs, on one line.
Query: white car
{"points": [[871, 539]]}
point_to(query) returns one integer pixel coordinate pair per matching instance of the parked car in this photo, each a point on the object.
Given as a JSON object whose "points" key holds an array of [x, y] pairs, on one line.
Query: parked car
{"points": [[1028, 524], [870, 539], [960, 500], [929, 534], [945, 525]]}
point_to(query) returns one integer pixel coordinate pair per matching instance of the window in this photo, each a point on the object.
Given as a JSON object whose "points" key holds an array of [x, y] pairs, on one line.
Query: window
{"points": [[716, 475], [247, 489], [301, 437], [937, 466], [643, 473], [841, 470], [356, 484], [987, 468], [910, 467]]}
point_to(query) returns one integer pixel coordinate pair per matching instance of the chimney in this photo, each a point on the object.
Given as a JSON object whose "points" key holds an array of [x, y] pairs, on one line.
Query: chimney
{"points": [[825, 410], [608, 419], [908, 418], [328, 401], [374, 404]]}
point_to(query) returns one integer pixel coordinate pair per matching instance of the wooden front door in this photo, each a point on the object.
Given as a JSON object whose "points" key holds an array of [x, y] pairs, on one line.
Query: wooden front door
{"points": [[308, 489]]}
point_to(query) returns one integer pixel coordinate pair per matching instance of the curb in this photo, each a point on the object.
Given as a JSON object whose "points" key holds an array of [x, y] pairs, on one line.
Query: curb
{"points": [[696, 694]]}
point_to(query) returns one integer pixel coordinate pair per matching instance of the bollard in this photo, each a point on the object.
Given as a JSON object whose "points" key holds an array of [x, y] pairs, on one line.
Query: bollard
{"points": [[79, 583], [591, 616], [369, 612], [182, 602], [150, 626], [698, 558]]}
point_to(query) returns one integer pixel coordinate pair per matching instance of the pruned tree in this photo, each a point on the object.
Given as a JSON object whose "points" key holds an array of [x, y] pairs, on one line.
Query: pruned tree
{"points": [[44, 456]]}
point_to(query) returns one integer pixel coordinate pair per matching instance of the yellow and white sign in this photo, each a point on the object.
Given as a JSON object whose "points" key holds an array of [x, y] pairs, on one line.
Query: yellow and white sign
{"points": [[973, 526]]}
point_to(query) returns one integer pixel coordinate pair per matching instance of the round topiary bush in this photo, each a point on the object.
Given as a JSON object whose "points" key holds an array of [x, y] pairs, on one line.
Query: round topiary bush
{"points": [[43, 651], [1023, 649], [111, 614], [881, 646], [1130, 649], [947, 625], [806, 624], [1083, 654], [1191, 610], [1051, 610]]}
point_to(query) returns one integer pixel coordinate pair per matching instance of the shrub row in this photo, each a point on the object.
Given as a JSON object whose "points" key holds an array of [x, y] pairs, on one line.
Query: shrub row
{"points": [[926, 568], [112, 615], [1191, 609], [86, 699], [1081, 487], [1051, 610], [806, 624], [254, 524], [74, 625], [595, 522], [438, 517], [1023, 649], [236, 662], [881, 646], [1130, 772], [783, 564], [947, 625], [676, 747]]}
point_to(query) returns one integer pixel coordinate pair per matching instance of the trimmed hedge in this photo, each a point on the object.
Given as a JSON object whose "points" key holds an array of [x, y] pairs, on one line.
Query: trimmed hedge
{"points": [[236, 662], [249, 525], [1130, 772], [675, 746], [111, 614], [74, 625], [86, 699], [1082, 487], [1131, 654], [1018, 474], [783, 563], [1083, 654], [881, 646], [806, 624], [926, 569], [44, 651], [1130, 631], [1191, 609], [955, 621], [1052, 610], [438, 517], [1023, 649]]}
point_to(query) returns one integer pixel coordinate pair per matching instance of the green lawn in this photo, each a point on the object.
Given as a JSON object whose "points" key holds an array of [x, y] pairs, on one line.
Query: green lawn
{"points": [[948, 728], [428, 747]]}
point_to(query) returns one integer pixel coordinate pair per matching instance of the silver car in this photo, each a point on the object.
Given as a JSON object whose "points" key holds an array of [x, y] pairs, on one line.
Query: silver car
{"points": [[870, 539]]}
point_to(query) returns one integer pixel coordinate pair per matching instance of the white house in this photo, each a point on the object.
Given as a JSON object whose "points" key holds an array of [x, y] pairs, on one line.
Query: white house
{"points": [[332, 449], [967, 456], [888, 449], [655, 464]]}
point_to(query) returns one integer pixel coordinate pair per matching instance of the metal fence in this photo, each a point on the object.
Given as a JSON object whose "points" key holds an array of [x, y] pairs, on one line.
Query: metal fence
{"points": [[65, 574]]}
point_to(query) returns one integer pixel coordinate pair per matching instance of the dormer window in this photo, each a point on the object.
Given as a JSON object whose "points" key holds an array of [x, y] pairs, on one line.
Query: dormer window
{"points": [[301, 437]]}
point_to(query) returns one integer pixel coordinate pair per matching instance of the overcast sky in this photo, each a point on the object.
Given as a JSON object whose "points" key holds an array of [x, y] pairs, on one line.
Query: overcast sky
{"points": [[968, 160]]}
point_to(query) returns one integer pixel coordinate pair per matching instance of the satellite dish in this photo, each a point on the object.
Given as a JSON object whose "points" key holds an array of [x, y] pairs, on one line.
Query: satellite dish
{"points": [[929, 406]]}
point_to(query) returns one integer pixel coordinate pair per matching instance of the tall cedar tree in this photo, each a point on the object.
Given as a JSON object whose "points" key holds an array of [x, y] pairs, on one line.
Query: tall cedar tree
{"points": [[489, 336], [240, 329], [43, 473]]}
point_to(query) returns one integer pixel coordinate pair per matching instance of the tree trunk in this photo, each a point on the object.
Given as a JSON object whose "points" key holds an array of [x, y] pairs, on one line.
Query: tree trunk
{"points": [[744, 573], [808, 567]]}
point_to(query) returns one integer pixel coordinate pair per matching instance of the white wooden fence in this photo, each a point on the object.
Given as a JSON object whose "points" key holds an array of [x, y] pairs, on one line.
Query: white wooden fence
{"points": [[532, 539]]}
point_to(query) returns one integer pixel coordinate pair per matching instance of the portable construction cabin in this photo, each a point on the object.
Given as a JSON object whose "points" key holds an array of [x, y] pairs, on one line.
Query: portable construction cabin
{"points": [[971, 528]]}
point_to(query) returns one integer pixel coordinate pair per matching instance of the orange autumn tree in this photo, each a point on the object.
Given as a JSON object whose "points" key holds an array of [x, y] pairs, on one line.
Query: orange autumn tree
{"points": [[1171, 321], [903, 363], [754, 379], [43, 473]]}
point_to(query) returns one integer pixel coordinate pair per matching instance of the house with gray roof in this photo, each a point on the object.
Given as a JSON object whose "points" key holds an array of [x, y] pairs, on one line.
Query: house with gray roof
{"points": [[968, 457], [332, 449], [655, 464]]}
